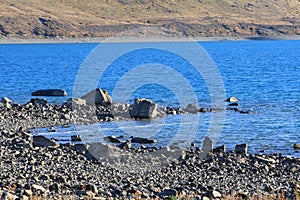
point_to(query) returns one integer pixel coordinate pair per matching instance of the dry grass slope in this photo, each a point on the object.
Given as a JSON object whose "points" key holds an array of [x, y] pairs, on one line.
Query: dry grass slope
{"points": [[94, 18]]}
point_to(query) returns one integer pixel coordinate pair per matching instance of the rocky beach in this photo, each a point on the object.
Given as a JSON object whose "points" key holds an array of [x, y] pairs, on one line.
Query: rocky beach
{"points": [[35, 167]]}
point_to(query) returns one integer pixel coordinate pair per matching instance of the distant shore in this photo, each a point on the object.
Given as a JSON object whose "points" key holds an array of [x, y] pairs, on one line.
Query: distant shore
{"points": [[4, 40]]}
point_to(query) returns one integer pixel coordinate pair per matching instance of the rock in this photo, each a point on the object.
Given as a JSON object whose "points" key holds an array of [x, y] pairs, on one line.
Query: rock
{"points": [[220, 149], [49, 92], [216, 194], [41, 141], [125, 145], [168, 193], [296, 146], [207, 145], [232, 99], [38, 101], [54, 187], [100, 151], [5, 102], [241, 149], [7, 196], [38, 188], [92, 188], [112, 139], [143, 140], [75, 138], [76, 102], [191, 108], [98, 97], [234, 104], [143, 108], [203, 110]]}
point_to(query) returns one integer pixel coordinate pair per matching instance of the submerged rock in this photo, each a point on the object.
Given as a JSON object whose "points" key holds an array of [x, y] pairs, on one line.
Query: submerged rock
{"points": [[142, 140]]}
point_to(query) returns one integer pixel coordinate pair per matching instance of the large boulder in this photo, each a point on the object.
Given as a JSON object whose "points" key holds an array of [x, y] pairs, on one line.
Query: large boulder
{"points": [[50, 92], [143, 108], [98, 97]]}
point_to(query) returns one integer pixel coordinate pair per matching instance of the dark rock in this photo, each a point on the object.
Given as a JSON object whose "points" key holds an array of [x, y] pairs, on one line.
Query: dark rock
{"points": [[296, 146], [92, 188], [112, 139], [38, 101], [97, 97], [234, 104], [41, 141], [75, 138], [232, 99], [49, 92], [54, 187], [143, 140], [143, 108], [220, 149], [168, 193], [241, 149], [125, 145], [203, 110]]}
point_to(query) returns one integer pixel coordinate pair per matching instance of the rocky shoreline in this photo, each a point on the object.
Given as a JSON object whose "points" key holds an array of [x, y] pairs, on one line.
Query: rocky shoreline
{"points": [[30, 169]]}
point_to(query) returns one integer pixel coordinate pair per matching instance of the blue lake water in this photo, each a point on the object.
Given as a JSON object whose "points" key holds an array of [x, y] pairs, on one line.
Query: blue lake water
{"points": [[264, 75]]}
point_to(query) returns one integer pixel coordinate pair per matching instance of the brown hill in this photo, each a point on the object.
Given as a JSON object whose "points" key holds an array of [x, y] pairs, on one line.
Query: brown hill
{"points": [[192, 18]]}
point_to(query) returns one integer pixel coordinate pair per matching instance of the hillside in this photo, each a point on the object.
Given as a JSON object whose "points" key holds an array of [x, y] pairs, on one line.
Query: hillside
{"points": [[188, 18]]}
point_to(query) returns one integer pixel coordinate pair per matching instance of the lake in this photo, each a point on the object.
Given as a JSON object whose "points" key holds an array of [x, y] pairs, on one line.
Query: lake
{"points": [[263, 75]]}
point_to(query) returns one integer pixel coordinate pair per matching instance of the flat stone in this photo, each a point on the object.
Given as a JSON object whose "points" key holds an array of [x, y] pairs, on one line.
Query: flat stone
{"points": [[41, 141], [50, 92]]}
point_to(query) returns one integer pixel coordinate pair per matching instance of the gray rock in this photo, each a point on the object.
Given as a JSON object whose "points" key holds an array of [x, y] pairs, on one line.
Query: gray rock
{"points": [[241, 149], [41, 141], [207, 145], [232, 99], [76, 102], [143, 108], [97, 97], [191, 108], [49, 92], [100, 151], [143, 140]]}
